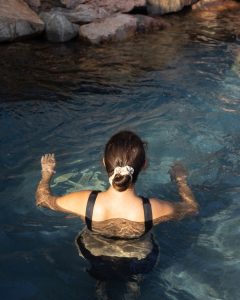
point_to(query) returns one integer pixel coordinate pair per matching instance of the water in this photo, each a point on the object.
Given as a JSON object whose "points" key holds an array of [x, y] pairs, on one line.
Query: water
{"points": [[179, 89]]}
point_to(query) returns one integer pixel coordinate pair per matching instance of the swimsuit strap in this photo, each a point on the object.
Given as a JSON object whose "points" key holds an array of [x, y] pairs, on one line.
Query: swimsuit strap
{"points": [[89, 208], [147, 214], [146, 208]]}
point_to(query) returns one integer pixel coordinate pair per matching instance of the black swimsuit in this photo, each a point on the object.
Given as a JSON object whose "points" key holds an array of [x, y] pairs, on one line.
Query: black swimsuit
{"points": [[146, 208]]}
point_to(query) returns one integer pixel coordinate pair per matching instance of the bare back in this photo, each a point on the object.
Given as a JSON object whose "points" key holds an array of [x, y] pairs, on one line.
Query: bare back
{"points": [[115, 214]]}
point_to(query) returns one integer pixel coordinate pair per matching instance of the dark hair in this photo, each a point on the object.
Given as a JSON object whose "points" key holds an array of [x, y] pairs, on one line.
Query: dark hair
{"points": [[124, 148]]}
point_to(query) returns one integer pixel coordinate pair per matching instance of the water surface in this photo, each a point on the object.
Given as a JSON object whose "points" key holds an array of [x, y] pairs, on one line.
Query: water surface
{"points": [[179, 89]]}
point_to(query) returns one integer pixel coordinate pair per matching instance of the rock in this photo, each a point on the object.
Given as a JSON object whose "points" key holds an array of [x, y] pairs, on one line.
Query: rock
{"points": [[17, 21], [47, 5], [112, 6], [148, 24], [72, 3], [115, 28], [58, 27], [33, 3], [160, 7], [83, 14], [216, 5]]}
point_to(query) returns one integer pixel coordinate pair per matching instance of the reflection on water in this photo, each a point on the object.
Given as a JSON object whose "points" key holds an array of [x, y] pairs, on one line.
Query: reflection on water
{"points": [[117, 259], [179, 89], [70, 68]]}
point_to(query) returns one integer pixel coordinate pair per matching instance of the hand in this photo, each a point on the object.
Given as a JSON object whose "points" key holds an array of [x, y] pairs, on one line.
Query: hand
{"points": [[178, 172], [48, 163]]}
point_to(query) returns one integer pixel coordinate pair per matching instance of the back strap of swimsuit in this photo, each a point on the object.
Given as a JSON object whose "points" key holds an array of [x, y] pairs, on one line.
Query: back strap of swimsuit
{"points": [[147, 214], [89, 209]]}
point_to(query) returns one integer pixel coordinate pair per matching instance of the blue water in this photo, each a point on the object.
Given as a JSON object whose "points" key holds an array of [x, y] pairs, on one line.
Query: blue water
{"points": [[180, 90]]}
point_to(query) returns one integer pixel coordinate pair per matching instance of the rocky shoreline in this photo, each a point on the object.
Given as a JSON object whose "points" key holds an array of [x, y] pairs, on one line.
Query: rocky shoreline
{"points": [[92, 21]]}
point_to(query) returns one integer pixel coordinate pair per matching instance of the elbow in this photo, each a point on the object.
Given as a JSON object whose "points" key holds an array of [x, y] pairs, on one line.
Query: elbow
{"points": [[39, 203], [193, 210]]}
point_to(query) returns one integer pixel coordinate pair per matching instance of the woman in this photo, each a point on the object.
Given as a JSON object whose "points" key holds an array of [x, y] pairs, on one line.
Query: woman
{"points": [[118, 241], [119, 212]]}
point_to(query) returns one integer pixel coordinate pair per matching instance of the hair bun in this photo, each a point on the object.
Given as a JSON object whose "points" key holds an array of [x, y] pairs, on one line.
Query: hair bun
{"points": [[121, 182]]}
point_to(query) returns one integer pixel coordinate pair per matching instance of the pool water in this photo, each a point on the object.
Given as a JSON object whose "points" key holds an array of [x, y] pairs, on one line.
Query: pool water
{"points": [[179, 89]]}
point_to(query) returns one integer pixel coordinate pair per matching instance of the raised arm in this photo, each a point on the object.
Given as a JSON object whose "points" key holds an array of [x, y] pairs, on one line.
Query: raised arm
{"points": [[165, 210], [188, 205], [44, 196], [74, 203]]}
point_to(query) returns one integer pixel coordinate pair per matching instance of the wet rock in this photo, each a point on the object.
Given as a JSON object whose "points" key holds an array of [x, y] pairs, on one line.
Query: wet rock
{"points": [[83, 14], [115, 28], [112, 6], [72, 3], [160, 7], [17, 21], [216, 5], [58, 27], [33, 3], [148, 24]]}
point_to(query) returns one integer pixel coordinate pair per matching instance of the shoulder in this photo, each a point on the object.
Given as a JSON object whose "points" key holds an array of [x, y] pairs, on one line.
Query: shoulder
{"points": [[74, 202]]}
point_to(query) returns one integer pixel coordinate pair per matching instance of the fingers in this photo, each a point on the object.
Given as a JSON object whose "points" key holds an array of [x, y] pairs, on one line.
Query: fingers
{"points": [[178, 172], [48, 162], [48, 158]]}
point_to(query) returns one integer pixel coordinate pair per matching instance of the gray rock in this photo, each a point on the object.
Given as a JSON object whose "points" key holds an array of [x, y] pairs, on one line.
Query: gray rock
{"points": [[112, 6], [83, 14], [160, 7], [33, 3], [17, 21], [72, 3], [148, 24], [115, 28], [58, 27]]}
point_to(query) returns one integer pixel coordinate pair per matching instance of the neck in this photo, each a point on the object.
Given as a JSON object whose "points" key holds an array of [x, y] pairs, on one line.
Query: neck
{"points": [[117, 195]]}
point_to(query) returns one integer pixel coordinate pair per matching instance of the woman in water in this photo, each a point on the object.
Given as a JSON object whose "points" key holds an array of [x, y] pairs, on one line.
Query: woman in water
{"points": [[119, 213]]}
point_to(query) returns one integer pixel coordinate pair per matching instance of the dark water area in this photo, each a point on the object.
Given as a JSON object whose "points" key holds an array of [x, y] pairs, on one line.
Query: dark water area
{"points": [[180, 90], [42, 66]]}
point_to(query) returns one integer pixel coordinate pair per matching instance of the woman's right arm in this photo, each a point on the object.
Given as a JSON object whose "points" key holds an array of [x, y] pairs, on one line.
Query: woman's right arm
{"points": [[165, 210], [74, 203]]}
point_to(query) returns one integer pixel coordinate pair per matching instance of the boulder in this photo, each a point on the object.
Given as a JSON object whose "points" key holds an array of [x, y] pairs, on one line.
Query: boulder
{"points": [[58, 27], [17, 21], [160, 7], [114, 28], [216, 5], [34, 3], [148, 24], [47, 5], [83, 14], [112, 6], [72, 3]]}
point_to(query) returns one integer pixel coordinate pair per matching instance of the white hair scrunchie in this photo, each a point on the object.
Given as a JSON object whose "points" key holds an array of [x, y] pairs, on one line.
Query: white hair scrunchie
{"points": [[127, 170]]}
